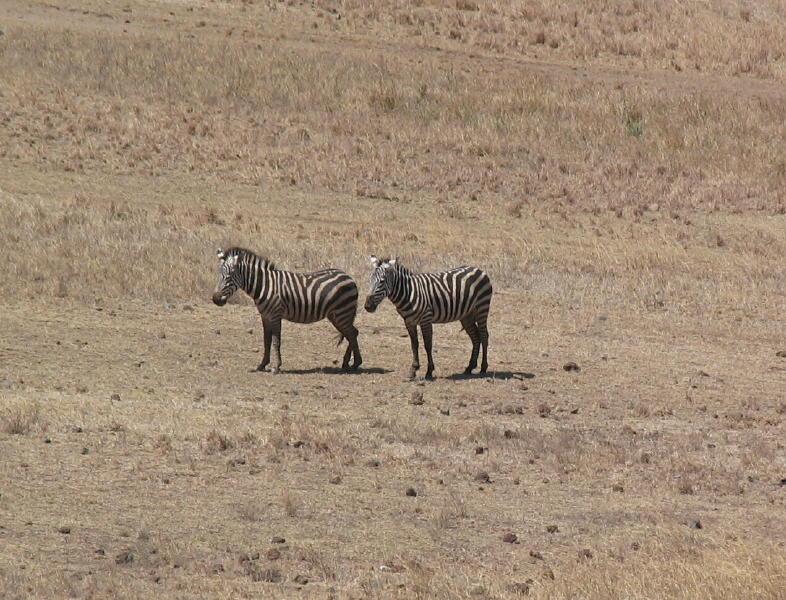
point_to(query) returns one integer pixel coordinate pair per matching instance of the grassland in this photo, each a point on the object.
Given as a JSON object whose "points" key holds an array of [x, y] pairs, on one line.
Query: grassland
{"points": [[620, 171]]}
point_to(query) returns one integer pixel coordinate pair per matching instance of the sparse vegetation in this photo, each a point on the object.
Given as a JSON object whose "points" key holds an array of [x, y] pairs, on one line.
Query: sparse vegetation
{"points": [[20, 418], [617, 168]]}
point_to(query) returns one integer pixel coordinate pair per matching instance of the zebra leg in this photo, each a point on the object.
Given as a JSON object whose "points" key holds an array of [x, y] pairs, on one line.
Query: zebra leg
{"points": [[469, 325], [413, 338], [426, 328], [353, 342], [275, 327], [484, 339], [268, 337], [349, 332]]}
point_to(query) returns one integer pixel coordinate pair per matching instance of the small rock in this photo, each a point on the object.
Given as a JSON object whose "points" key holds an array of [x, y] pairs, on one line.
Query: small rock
{"points": [[586, 553], [76, 429], [479, 449], [300, 579], [445, 411], [617, 487], [695, 524], [635, 546], [516, 481], [273, 554], [218, 332], [47, 440], [548, 574], [575, 411], [782, 482], [335, 480], [482, 477], [297, 444], [411, 492], [781, 354], [571, 367], [544, 410], [162, 335], [417, 398], [510, 538], [373, 462], [277, 540], [124, 558], [85, 451], [552, 528], [100, 552], [536, 555], [65, 530], [115, 397], [509, 434]]}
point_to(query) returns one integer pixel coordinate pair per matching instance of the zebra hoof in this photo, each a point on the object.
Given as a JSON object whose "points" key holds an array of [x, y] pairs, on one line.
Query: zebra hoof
{"points": [[429, 377], [468, 370], [261, 368]]}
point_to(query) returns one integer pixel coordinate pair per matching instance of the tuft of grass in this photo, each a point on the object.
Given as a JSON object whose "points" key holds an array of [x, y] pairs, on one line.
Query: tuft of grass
{"points": [[290, 504], [20, 419], [216, 442]]}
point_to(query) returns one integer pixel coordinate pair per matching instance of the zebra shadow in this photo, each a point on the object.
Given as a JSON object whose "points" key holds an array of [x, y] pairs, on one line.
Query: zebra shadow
{"points": [[336, 371], [521, 375]]}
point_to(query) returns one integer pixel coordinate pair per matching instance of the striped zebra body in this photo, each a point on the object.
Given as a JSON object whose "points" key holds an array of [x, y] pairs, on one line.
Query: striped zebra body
{"points": [[460, 294], [286, 295]]}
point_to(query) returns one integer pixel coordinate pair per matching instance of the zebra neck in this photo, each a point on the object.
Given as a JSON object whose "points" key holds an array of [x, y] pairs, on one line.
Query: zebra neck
{"points": [[400, 294], [257, 281]]}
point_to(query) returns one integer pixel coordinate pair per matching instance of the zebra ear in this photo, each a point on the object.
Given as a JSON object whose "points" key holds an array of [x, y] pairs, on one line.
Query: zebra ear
{"points": [[374, 261], [220, 254]]}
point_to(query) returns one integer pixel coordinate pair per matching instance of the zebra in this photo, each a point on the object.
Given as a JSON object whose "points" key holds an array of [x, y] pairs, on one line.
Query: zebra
{"points": [[296, 297], [460, 294]]}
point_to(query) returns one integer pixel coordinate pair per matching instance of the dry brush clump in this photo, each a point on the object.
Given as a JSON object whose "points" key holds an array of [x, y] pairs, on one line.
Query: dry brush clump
{"points": [[21, 418]]}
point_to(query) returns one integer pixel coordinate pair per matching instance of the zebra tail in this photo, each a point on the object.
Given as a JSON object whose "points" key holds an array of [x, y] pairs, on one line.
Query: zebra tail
{"points": [[340, 338]]}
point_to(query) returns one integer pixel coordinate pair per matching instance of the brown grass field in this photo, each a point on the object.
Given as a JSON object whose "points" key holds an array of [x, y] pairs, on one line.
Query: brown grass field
{"points": [[619, 169]]}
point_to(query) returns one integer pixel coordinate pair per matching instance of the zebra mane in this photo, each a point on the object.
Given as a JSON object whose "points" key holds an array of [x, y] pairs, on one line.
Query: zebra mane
{"points": [[397, 265], [265, 262]]}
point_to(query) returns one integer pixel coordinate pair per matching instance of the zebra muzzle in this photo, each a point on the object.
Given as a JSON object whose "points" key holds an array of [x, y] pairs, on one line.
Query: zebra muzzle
{"points": [[369, 305], [220, 299]]}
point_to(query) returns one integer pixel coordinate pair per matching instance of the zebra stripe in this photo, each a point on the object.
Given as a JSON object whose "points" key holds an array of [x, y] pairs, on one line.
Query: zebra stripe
{"points": [[296, 297], [460, 294]]}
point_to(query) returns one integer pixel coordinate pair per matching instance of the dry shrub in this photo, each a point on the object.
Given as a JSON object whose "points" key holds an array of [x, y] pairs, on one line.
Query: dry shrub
{"points": [[20, 418], [290, 504], [216, 442]]}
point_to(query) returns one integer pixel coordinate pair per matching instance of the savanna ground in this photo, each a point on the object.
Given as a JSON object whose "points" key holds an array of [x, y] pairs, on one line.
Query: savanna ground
{"points": [[619, 168]]}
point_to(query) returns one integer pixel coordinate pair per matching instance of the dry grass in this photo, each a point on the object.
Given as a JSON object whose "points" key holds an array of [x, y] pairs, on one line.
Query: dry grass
{"points": [[632, 221], [20, 418], [380, 126]]}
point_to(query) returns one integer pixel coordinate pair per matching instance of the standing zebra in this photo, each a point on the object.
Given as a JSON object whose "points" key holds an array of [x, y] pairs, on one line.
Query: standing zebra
{"points": [[296, 297], [461, 294]]}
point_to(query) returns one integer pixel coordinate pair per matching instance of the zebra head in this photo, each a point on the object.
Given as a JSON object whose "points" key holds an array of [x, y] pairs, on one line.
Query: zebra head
{"points": [[229, 277], [382, 280]]}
